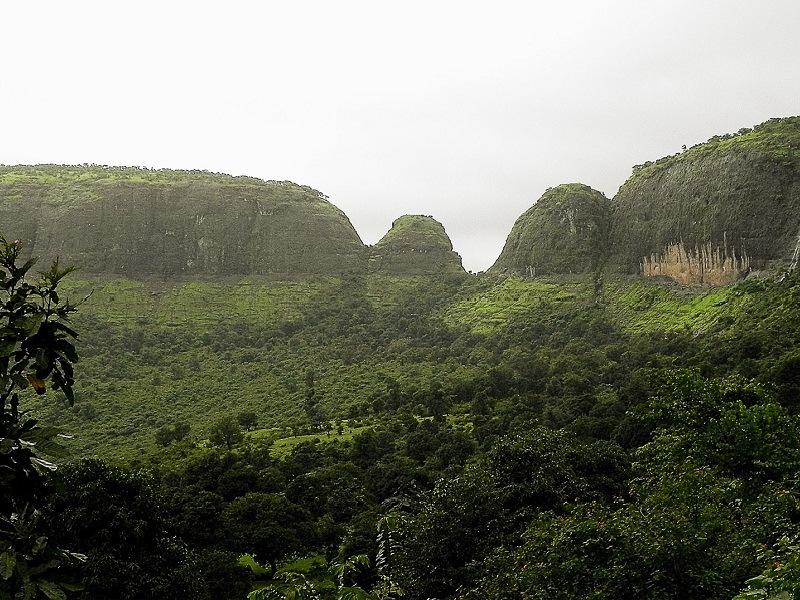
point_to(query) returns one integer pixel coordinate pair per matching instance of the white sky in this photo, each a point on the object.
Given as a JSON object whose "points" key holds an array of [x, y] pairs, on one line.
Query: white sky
{"points": [[465, 111]]}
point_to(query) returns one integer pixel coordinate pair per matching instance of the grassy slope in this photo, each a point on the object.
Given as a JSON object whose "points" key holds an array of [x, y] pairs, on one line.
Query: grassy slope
{"points": [[154, 353], [635, 305], [71, 174]]}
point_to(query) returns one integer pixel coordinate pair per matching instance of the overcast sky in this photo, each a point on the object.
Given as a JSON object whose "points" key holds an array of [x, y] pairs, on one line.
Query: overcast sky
{"points": [[464, 111]]}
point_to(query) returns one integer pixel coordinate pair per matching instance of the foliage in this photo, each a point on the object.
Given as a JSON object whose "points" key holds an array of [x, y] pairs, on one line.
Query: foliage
{"points": [[115, 517], [226, 432], [36, 350], [544, 443]]}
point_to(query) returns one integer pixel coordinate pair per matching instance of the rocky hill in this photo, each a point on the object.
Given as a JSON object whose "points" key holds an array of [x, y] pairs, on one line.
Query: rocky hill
{"points": [[175, 223], [708, 215], [415, 245], [713, 212], [566, 231]]}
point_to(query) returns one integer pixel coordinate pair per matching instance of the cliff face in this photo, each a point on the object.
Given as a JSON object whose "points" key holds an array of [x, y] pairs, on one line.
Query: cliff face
{"points": [[566, 231], [710, 213], [174, 223], [415, 245]]}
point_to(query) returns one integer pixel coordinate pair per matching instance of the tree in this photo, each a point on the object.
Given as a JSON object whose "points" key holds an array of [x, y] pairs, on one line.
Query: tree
{"points": [[247, 419], [226, 432], [268, 525], [165, 434], [115, 516], [312, 399], [36, 352]]}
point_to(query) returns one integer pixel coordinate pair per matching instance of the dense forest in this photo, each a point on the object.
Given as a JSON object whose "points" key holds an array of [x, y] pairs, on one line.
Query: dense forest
{"points": [[508, 438]]}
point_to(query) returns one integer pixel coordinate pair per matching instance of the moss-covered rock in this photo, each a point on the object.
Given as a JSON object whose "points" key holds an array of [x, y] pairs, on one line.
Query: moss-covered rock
{"points": [[415, 245], [175, 223], [564, 232], [734, 200]]}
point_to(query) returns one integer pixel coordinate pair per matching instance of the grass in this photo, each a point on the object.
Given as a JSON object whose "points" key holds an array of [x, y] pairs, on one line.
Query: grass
{"points": [[494, 309], [154, 353], [283, 446], [71, 174], [644, 307], [195, 304], [636, 306]]}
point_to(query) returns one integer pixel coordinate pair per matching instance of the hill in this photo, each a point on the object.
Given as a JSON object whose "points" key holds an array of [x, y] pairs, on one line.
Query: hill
{"points": [[706, 216], [166, 223], [566, 231], [715, 211], [415, 245]]}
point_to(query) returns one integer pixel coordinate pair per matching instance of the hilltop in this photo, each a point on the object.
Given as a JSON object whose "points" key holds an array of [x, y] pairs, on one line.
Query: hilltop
{"points": [[416, 245]]}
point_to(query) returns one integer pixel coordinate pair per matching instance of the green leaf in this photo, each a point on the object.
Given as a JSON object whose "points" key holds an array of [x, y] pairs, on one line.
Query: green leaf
{"points": [[68, 330], [30, 323], [52, 590], [7, 563], [248, 562], [7, 347]]}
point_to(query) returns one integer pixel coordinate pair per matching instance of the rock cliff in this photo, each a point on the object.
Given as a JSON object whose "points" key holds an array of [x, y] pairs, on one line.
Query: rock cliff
{"points": [[710, 213], [175, 223]]}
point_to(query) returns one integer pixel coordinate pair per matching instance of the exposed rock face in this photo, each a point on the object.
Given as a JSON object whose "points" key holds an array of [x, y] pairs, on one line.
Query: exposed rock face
{"points": [[706, 215], [702, 265], [175, 223], [566, 231], [415, 245]]}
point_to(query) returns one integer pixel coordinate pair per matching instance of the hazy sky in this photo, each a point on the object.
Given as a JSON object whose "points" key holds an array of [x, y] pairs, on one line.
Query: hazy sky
{"points": [[465, 111]]}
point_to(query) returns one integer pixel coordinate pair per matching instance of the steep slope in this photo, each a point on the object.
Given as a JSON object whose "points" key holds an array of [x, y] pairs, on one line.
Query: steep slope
{"points": [[564, 232], [171, 223], [711, 213], [415, 245]]}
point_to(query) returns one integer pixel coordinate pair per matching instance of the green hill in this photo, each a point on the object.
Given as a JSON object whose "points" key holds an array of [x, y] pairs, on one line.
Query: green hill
{"points": [[732, 204]]}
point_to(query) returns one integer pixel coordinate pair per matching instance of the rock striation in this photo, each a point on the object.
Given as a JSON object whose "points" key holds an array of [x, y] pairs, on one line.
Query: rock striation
{"points": [[415, 245], [566, 231], [703, 265]]}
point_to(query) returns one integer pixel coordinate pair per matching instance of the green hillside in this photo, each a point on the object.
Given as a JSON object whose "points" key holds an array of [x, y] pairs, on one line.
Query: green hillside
{"points": [[415, 245], [173, 224], [155, 353]]}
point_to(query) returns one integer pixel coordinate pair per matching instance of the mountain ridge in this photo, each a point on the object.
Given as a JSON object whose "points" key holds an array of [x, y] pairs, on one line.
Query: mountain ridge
{"points": [[706, 216]]}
